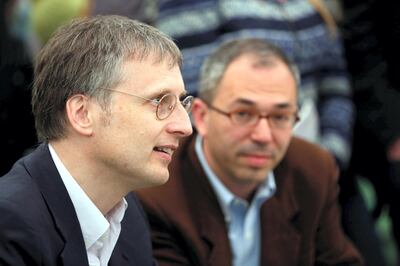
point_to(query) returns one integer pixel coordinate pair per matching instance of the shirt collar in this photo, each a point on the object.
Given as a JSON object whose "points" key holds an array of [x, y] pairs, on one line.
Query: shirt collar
{"points": [[92, 221], [225, 197]]}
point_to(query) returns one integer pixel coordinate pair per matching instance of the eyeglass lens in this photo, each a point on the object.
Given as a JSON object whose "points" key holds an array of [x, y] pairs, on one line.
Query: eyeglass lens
{"points": [[275, 120], [166, 106]]}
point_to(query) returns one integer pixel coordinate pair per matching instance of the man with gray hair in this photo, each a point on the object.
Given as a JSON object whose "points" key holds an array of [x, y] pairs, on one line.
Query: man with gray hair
{"points": [[108, 111], [243, 191]]}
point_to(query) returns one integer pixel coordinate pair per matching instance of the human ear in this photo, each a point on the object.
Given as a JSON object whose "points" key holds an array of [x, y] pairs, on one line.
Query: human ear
{"points": [[200, 116], [78, 114]]}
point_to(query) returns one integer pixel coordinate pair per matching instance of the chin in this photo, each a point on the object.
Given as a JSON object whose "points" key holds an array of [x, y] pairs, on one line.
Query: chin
{"points": [[153, 182], [159, 178]]}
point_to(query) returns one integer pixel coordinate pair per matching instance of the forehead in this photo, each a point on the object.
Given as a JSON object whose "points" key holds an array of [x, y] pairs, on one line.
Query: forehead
{"points": [[150, 76], [261, 84]]}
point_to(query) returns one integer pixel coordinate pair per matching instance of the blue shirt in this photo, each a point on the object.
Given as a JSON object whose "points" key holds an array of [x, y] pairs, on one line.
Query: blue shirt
{"points": [[242, 219]]}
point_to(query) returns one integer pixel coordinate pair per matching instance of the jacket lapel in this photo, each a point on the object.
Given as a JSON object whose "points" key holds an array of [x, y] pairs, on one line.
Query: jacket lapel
{"points": [[118, 258], [215, 236], [42, 169], [280, 238], [134, 245], [211, 220]]}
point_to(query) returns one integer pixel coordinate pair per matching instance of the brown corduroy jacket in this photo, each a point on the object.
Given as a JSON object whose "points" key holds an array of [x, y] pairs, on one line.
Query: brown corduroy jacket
{"points": [[300, 223]]}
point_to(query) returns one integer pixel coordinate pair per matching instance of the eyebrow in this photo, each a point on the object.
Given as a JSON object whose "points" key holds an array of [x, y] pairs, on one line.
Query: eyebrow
{"points": [[164, 91], [284, 105]]}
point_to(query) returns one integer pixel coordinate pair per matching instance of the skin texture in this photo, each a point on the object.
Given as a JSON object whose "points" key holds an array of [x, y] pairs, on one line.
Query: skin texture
{"points": [[242, 156], [117, 145]]}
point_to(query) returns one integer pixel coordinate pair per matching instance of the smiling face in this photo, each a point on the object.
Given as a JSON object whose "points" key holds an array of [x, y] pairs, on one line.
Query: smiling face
{"points": [[242, 156], [130, 141]]}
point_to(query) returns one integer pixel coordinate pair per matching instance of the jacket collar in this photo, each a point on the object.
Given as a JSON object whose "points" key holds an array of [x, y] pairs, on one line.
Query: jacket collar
{"points": [[42, 169]]}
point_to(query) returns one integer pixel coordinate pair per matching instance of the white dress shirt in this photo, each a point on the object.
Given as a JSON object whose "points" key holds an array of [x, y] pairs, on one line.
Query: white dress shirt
{"points": [[100, 232]]}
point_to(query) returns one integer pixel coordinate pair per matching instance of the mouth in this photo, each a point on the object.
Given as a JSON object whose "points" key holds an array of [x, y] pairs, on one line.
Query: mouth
{"points": [[165, 149], [258, 160], [258, 154]]}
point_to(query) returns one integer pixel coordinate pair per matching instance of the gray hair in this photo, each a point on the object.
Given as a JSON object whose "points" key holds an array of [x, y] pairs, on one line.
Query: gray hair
{"points": [[216, 64], [86, 55]]}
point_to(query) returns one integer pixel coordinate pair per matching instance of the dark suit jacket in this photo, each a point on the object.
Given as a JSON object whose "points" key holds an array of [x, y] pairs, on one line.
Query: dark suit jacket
{"points": [[300, 223], [39, 226]]}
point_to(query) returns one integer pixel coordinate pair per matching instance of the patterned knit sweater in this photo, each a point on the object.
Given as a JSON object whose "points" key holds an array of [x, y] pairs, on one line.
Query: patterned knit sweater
{"points": [[199, 26]]}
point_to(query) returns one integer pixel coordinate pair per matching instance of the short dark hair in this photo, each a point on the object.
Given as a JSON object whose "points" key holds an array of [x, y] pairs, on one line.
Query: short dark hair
{"points": [[218, 61]]}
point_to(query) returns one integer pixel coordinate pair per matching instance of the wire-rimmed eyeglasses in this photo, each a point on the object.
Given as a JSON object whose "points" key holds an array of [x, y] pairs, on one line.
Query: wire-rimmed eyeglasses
{"points": [[248, 117], [166, 104]]}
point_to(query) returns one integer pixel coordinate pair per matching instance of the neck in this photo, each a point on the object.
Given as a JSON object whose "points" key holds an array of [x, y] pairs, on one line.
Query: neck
{"points": [[245, 190], [98, 183]]}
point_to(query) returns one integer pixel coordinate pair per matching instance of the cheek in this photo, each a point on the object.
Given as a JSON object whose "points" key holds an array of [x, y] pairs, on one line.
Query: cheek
{"points": [[221, 127], [282, 140], [227, 144], [222, 133], [135, 131]]}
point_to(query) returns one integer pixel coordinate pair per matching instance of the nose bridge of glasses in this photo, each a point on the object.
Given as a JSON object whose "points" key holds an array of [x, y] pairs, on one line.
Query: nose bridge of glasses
{"points": [[262, 129], [260, 118]]}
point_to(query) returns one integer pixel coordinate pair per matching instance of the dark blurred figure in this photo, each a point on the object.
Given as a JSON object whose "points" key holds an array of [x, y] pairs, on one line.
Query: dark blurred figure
{"points": [[372, 41], [16, 121]]}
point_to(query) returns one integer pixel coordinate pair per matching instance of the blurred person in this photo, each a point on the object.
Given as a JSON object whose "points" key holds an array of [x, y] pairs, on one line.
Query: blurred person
{"points": [[242, 190], [107, 108], [307, 33]]}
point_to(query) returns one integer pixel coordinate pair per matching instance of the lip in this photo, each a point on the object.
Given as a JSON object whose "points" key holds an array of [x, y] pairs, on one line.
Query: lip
{"points": [[257, 160], [165, 151]]}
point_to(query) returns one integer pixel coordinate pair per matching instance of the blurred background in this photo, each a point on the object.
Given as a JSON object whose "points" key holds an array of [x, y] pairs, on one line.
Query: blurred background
{"points": [[363, 49]]}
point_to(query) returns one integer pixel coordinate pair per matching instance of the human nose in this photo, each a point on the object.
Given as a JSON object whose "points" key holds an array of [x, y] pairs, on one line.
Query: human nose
{"points": [[262, 131], [180, 124]]}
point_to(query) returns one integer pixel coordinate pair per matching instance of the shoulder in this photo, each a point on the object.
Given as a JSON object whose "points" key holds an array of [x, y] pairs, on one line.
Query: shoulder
{"points": [[309, 167], [20, 198], [17, 186], [308, 157], [22, 204], [305, 152], [19, 219]]}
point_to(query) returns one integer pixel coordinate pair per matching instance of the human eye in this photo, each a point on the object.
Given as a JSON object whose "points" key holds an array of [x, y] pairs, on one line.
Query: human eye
{"points": [[156, 100], [281, 120], [243, 115], [281, 117]]}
